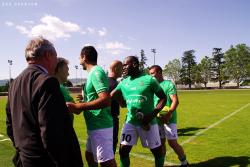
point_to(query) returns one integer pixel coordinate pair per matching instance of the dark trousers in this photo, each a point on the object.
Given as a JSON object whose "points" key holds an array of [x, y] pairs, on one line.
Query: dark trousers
{"points": [[115, 132]]}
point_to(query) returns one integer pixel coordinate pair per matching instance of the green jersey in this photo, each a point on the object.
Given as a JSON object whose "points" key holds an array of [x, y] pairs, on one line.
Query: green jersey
{"points": [[67, 98], [66, 94], [139, 95], [169, 89], [97, 82]]}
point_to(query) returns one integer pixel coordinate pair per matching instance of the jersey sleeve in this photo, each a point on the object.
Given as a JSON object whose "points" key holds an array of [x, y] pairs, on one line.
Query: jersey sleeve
{"points": [[118, 87], [100, 81], [172, 89], [66, 94]]}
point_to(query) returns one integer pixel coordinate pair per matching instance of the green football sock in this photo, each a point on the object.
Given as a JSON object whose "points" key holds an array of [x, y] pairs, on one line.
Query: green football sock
{"points": [[125, 162], [159, 162]]}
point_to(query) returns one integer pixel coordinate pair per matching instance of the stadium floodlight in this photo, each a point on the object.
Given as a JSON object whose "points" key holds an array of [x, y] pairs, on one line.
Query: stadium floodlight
{"points": [[154, 51], [81, 69], [76, 67], [10, 64]]}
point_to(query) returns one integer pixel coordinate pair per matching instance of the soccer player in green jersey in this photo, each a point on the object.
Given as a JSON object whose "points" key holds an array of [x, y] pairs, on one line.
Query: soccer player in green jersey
{"points": [[167, 122], [96, 110], [138, 90], [62, 73]]}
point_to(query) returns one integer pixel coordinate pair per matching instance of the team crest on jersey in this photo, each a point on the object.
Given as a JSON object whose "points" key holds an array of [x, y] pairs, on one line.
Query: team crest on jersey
{"points": [[141, 83]]}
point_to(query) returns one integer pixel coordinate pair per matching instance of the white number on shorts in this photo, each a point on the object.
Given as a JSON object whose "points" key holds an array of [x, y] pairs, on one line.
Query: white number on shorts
{"points": [[127, 137]]}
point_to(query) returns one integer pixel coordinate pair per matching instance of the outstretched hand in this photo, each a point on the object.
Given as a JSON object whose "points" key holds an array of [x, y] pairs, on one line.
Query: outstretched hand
{"points": [[72, 108], [79, 98], [166, 117]]}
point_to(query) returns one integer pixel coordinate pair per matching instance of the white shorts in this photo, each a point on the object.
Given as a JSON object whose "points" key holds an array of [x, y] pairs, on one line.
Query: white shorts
{"points": [[150, 139], [100, 143], [168, 131]]}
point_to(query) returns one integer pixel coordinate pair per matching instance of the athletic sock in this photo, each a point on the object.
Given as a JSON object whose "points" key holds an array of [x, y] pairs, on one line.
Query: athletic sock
{"points": [[124, 162], [159, 162]]}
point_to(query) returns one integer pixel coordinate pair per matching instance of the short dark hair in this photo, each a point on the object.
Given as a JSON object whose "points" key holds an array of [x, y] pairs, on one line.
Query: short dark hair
{"points": [[90, 53], [60, 63], [157, 67], [134, 59]]}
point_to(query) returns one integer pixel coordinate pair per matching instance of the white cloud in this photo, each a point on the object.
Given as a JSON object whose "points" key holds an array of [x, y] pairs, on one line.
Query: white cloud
{"points": [[9, 23], [114, 48], [91, 30], [102, 32], [29, 22], [87, 44], [22, 29], [83, 32], [116, 45], [54, 28], [51, 27]]}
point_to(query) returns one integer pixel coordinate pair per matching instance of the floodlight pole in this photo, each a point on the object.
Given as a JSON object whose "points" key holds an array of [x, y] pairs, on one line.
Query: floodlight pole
{"points": [[10, 64], [81, 75], [76, 67], [154, 52]]}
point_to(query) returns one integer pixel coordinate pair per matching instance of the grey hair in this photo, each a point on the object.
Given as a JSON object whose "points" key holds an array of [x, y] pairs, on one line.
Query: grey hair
{"points": [[37, 47]]}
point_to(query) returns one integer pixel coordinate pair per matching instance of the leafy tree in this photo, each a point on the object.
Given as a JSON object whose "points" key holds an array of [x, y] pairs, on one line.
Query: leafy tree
{"points": [[173, 70], [188, 68], [205, 70], [237, 62], [218, 68], [143, 60]]}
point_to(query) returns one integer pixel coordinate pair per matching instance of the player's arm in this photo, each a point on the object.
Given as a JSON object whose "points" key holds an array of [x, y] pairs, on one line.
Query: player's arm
{"points": [[117, 95], [102, 101], [175, 102], [161, 103]]}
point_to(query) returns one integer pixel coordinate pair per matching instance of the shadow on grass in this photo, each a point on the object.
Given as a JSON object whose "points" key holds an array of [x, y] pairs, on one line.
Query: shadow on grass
{"points": [[242, 161], [189, 131]]}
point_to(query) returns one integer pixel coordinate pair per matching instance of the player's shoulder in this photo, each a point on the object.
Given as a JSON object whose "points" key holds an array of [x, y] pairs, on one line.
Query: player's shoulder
{"points": [[147, 77], [97, 69], [98, 72], [168, 82]]}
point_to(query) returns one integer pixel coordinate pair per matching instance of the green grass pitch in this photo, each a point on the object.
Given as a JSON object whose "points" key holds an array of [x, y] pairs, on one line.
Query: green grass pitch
{"points": [[213, 127]]}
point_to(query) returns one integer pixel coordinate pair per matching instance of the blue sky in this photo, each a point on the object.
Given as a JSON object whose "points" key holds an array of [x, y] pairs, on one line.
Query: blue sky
{"points": [[118, 28]]}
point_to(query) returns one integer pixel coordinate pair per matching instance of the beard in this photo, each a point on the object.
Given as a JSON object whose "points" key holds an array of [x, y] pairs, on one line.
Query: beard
{"points": [[84, 67]]}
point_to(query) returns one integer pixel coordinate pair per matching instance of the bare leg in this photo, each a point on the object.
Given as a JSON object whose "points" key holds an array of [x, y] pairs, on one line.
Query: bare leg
{"points": [[90, 159], [124, 155], [159, 158], [176, 147], [109, 163]]}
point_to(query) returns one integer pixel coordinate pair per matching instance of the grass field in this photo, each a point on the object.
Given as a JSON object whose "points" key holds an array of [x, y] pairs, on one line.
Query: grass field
{"points": [[213, 127]]}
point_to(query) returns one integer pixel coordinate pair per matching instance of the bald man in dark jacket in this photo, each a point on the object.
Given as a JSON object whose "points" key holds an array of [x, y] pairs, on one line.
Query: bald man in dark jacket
{"points": [[37, 119]]}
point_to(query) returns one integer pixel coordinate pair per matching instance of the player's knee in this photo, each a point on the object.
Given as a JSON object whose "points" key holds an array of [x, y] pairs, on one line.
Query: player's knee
{"points": [[173, 143]]}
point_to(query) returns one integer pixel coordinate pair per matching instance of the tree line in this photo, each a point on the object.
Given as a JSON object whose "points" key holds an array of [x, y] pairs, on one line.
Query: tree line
{"points": [[222, 67]]}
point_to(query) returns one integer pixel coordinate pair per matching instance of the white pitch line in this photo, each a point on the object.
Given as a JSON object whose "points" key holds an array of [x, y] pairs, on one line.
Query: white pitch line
{"points": [[4, 140], [150, 158], [211, 126]]}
